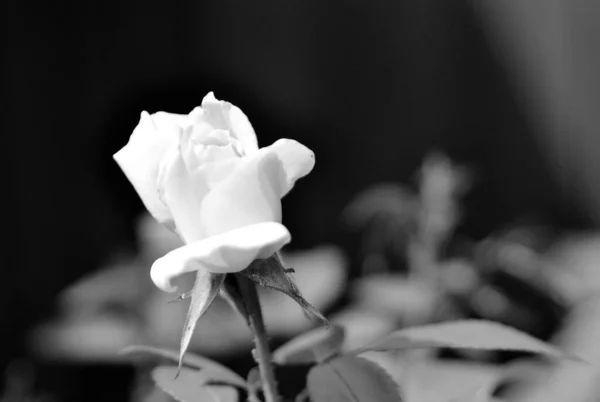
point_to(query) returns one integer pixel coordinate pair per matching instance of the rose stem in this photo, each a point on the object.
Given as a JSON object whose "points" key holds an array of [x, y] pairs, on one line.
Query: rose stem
{"points": [[263, 354]]}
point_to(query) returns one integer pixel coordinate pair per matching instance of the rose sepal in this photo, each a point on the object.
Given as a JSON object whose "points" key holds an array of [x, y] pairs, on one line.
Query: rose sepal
{"points": [[271, 273]]}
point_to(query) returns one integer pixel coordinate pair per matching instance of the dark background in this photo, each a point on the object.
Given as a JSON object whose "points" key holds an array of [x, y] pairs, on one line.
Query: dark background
{"points": [[371, 87]]}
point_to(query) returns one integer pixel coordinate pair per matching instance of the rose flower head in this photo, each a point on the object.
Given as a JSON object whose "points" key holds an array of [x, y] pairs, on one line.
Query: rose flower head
{"points": [[204, 176]]}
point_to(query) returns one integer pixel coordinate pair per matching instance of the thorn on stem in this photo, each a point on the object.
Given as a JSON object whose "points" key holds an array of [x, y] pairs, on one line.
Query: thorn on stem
{"points": [[181, 297]]}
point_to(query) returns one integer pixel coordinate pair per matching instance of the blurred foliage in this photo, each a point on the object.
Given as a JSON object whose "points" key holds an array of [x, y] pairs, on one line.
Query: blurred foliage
{"points": [[414, 269]]}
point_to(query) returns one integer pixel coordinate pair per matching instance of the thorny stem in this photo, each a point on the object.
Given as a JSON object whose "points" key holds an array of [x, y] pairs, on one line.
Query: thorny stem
{"points": [[263, 354]]}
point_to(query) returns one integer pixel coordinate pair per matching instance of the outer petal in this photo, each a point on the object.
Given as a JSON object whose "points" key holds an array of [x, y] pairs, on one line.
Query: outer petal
{"points": [[228, 252], [140, 158], [248, 195], [297, 160], [182, 193]]}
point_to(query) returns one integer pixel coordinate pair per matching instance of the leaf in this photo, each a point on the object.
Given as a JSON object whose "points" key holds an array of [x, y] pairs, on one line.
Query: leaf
{"points": [[254, 384], [388, 199], [311, 347], [205, 289], [187, 387], [465, 334], [191, 360], [271, 274], [429, 380], [217, 377], [441, 178], [351, 379], [253, 379]]}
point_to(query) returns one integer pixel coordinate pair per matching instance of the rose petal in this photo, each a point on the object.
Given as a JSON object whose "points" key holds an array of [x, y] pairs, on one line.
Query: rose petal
{"points": [[248, 195], [182, 194], [214, 136], [243, 130], [183, 191], [207, 153], [186, 142], [140, 158], [297, 160], [228, 116], [232, 251], [214, 112], [214, 173]]}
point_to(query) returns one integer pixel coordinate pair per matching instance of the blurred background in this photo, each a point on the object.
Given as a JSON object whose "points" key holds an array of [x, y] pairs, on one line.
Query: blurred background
{"points": [[508, 90]]}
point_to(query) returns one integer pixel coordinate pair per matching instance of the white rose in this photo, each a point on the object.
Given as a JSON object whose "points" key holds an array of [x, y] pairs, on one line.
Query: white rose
{"points": [[204, 176]]}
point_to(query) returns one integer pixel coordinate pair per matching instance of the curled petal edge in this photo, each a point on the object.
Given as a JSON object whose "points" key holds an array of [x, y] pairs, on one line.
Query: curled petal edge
{"points": [[232, 251], [297, 160]]}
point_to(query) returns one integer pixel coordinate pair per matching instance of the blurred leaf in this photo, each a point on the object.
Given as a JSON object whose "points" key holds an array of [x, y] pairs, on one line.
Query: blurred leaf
{"points": [[192, 360], [440, 178], [430, 380], [311, 347], [253, 379], [352, 379], [203, 293], [390, 199], [363, 325], [396, 295], [303, 396], [519, 302], [465, 334], [271, 274], [187, 387], [567, 381], [218, 377], [254, 384], [321, 273]]}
